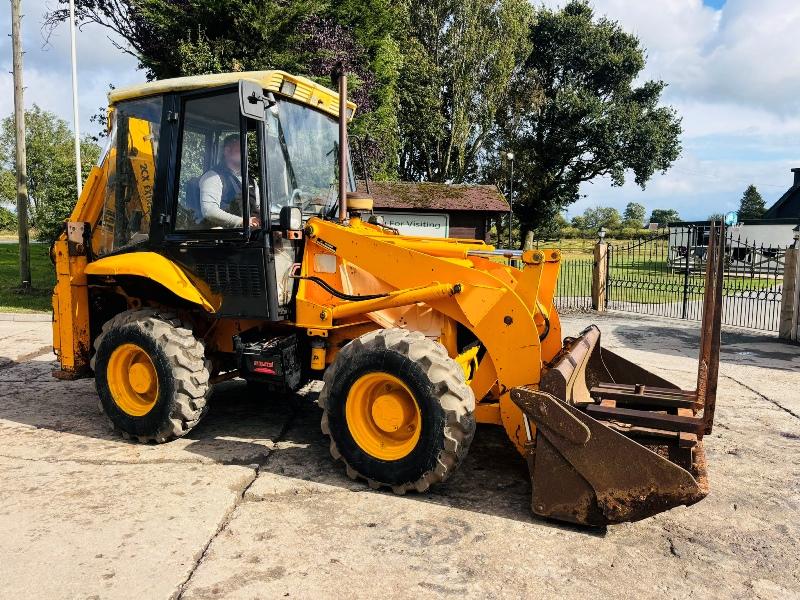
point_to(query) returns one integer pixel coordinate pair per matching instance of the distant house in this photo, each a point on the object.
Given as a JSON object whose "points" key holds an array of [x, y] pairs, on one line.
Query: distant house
{"points": [[769, 235], [773, 230], [437, 209], [788, 205]]}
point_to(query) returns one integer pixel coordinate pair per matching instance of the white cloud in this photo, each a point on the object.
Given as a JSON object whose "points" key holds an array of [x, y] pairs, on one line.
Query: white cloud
{"points": [[47, 68], [753, 59], [732, 75]]}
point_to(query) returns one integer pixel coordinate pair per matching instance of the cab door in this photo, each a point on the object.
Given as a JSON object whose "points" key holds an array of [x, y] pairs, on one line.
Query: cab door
{"points": [[215, 209]]}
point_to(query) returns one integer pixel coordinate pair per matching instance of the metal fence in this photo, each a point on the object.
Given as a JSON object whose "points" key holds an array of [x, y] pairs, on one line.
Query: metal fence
{"points": [[663, 275], [574, 289], [645, 276]]}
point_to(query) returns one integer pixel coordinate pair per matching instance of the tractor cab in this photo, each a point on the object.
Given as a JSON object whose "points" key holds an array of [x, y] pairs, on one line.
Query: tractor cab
{"points": [[215, 178]]}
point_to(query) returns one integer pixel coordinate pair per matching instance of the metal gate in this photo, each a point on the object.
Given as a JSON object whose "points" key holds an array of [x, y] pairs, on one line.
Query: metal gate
{"points": [[664, 275]]}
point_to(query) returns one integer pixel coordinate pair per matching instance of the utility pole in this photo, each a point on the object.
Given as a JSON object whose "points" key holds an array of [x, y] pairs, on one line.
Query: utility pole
{"points": [[510, 157], [75, 123], [22, 171]]}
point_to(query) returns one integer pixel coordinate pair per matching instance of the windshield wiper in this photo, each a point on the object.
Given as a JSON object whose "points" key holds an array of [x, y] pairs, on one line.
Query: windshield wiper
{"points": [[286, 156], [332, 199]]}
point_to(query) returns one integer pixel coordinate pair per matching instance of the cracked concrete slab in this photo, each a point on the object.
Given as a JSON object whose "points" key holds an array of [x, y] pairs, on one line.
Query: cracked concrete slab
{"points": [[73, 530], [23, 340], [50, 420], [250, 504]]}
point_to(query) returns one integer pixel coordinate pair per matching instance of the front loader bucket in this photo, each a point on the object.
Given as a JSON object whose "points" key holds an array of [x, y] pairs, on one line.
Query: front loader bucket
{"points": [[617, 443], [586, 472]]}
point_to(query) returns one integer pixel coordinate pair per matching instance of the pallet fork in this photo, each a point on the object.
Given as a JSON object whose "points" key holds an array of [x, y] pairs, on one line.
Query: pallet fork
{"points": [[615, 442]]}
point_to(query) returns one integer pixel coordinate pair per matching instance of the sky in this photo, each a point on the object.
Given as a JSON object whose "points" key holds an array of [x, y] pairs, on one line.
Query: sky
{"points": [[46, 65], [732, 73], [731, 67]]}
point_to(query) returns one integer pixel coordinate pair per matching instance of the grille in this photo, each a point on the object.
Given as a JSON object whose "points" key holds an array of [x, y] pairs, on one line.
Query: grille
{"points": [[231, 279]]}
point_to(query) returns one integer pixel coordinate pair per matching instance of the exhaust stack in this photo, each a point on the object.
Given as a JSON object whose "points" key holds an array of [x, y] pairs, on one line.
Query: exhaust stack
{"points": [[342, 143]]}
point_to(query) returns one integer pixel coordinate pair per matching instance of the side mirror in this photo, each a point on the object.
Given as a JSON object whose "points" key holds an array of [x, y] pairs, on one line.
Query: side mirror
{"points": [[291, 218], [251, 99]]}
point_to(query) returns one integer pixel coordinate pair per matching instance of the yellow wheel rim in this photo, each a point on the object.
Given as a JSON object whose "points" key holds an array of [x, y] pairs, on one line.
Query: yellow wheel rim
{"points": [[383, 417], [133, 380]]}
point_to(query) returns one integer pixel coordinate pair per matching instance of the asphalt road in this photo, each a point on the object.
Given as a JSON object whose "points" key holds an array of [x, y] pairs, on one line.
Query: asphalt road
{"points": [[250, 505]]}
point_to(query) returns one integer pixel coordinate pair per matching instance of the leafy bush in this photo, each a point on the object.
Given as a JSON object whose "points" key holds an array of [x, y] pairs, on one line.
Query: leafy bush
{"points": [[51, 168], [570, 233], [8, 220]]}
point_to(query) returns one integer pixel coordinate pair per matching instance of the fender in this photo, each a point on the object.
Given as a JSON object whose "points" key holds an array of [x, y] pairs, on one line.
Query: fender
{"points": [[159, 269]]}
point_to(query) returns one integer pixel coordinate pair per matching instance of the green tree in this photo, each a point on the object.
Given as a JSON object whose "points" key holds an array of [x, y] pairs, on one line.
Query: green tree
{"points": [[51, 168], [554, 229], [579, 222], [8, 220], [634, 215], [662, 216], [601, 216], [752, 205], [715, 217], [459, 59], [8, 186], [577, 110], [172, 38]]}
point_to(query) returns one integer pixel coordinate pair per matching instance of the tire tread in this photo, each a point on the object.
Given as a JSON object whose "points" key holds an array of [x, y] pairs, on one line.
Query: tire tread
{"points": [[186, 354], [455, 396]]}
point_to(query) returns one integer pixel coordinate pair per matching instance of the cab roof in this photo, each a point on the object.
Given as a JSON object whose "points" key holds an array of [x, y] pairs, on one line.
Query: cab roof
{"points": [[300, 88]]}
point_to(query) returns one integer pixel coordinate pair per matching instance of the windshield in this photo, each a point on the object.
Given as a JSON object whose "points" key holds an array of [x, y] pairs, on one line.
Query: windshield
{"points": [[302, 160]]}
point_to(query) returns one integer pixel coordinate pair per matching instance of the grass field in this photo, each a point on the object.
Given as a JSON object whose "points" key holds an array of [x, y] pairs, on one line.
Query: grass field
{"points": [[648, 282], [42, 275]]}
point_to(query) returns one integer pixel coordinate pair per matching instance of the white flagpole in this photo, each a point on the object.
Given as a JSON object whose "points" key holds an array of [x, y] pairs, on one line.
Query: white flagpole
{"points": [[75, 122]]}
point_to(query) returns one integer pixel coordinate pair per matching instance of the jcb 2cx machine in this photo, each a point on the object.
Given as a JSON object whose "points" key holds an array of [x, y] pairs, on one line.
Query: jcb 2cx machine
{"points": [[220, 236]]}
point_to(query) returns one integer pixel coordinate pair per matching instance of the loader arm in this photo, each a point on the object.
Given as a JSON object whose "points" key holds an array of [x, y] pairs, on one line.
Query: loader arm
{"points": [[487, 303], [606, 441]]}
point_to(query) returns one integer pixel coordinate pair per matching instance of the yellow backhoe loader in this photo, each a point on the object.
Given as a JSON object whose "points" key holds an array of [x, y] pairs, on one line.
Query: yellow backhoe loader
{"points": [[221, 236]]}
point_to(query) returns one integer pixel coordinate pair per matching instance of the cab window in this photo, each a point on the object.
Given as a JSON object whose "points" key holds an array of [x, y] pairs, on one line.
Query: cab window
{"points": [[302, 160], [130, 166], [210, 188]]}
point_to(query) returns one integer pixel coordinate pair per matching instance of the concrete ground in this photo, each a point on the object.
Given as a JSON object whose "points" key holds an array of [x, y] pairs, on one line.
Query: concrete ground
{"points": [[250, 505]]}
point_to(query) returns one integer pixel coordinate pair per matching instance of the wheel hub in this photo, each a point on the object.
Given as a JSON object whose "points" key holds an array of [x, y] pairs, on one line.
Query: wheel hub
{"points": [[383, 416], [390, 411], [141, 378], [132, 380]]}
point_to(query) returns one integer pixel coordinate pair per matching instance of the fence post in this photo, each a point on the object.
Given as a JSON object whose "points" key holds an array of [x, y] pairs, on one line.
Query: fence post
{"points": [[599, 276], [789, 327], [689, 240]]}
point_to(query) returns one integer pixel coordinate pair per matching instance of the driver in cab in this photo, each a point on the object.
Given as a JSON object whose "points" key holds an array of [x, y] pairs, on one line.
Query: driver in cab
{"points": [[221, 189]]}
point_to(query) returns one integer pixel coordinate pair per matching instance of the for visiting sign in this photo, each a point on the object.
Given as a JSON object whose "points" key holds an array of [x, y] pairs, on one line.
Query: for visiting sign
{"points": [[418, 224]]}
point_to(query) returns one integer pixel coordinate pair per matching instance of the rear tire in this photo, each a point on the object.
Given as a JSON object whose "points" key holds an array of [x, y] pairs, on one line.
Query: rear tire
{"points": [[151, 375], [426, 389]]}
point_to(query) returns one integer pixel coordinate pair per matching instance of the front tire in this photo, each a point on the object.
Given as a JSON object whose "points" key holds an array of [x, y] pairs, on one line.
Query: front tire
{"points": [[398, 410], [151, 375]]}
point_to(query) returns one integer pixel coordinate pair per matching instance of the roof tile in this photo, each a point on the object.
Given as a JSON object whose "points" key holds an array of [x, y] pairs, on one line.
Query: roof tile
{"points": [[409, 195]]}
